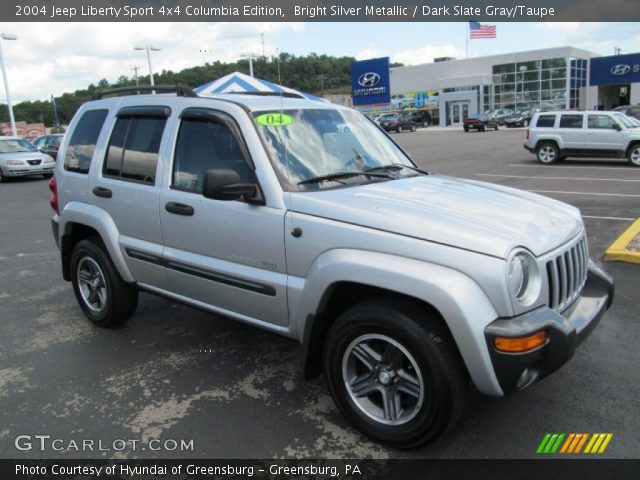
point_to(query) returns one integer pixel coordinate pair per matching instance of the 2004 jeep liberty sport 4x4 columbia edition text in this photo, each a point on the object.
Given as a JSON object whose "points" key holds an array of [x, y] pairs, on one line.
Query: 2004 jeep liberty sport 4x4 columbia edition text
{"points": [[304, 218]]}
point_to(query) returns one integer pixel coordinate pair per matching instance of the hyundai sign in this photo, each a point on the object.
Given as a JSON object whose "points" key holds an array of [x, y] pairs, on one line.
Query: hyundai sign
{"points": [[370, 81], [615, 70]]}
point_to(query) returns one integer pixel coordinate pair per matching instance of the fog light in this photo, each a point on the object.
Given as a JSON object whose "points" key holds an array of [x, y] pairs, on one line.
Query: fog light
{"points": [[520, 344]]}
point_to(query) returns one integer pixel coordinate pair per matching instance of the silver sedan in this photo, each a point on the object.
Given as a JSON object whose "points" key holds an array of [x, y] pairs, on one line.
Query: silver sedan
{"points": [[19, 158]]}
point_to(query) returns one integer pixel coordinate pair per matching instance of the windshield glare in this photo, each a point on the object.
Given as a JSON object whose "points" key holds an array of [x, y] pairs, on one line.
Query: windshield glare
{"points": [[310, 143], [16, 145]]}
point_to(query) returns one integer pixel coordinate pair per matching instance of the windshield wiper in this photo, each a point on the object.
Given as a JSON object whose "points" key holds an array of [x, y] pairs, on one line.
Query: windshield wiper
{"points": [[340, 175], [396, 166]]}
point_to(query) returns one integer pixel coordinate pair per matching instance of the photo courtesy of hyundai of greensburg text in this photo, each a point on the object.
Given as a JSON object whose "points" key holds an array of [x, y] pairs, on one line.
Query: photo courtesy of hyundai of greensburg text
{"points": [[319, 240]]}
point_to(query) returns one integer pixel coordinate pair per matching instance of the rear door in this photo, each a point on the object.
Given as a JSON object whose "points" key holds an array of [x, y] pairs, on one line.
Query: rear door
{"points": [[127, 187], [572, 131], [228, 255]]}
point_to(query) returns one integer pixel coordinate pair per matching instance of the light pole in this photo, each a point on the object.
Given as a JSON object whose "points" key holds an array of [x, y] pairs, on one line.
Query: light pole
{"points": [[250, 56], [8, 36], [147, 48], [135, 73]]}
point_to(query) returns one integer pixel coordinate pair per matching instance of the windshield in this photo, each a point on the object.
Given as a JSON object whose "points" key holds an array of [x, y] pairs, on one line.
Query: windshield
{"points": [[624, 120], [308, 143], [16, 145]]}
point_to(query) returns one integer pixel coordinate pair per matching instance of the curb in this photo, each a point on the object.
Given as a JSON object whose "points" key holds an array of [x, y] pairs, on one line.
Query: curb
{"points": [[618, 249]]}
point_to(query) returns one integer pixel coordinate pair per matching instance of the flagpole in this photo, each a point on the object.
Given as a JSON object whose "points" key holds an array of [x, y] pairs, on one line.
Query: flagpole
{"points": [[466, 40]]}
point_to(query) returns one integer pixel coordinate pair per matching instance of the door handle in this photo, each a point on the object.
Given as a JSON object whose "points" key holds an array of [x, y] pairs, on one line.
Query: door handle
{"points": [[102, 192], [179, 209]]}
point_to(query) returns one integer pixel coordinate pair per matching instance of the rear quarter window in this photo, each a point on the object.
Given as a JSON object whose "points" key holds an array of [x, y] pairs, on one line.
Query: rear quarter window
{"points": [[546, 121], [571, 121], [83, 140]]}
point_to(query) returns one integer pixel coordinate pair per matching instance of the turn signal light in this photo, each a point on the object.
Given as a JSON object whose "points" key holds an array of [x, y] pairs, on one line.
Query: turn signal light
{"points": [[53, 199], [520, 344], [526, 134]]}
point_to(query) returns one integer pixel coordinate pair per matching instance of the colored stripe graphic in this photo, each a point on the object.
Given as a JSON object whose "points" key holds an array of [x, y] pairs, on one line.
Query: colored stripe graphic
{"points": [[573, 443]]}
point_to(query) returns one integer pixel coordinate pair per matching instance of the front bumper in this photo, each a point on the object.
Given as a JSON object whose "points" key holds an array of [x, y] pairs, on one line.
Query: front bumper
{"points": [[27, 170], [566, 330]]}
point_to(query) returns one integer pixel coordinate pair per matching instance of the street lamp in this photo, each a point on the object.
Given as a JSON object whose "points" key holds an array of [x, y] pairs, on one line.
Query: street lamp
{"points": [[8, 36], [250, 56], [147, 48]]}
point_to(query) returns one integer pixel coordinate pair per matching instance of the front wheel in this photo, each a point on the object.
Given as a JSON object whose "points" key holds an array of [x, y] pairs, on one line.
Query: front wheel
{"points": [[466, 129], [547, 153], [496, 127], [634, 155], [104, 297], [413, 128], [395, 374]]}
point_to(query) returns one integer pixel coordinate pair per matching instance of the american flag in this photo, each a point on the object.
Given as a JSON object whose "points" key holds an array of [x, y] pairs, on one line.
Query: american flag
{"points": [[477, 30]]}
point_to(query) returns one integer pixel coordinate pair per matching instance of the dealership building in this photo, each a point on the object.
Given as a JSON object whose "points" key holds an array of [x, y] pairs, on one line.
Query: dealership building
{"points": [[552, 78]]}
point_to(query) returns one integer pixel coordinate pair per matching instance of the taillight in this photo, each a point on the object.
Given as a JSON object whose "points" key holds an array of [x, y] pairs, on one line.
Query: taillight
{"points": [[53, 199], [526, 134]]}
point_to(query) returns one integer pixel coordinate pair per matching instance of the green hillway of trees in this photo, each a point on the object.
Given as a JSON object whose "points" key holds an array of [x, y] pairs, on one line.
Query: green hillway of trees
{"points": [[317, 74]]}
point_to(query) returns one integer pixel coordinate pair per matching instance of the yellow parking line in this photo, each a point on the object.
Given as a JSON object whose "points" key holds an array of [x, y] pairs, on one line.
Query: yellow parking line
{"points": [[619, 248]]}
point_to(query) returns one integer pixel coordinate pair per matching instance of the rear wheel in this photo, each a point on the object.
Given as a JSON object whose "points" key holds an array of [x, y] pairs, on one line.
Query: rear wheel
{"points": [[547, 153], [395, 373], [483, 128], [496, 127], [104, 297], [634, 155], [466, 129]]}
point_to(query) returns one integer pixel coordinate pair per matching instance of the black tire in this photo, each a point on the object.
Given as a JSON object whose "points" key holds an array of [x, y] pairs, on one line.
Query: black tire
{"points": [[47, 175], [425, 124], [119, 299], [466, 129], [496, 127], [2, 177], [483, 128], [413, 128], [634, 155], [398, 129], [439, 385], [547, 153]]}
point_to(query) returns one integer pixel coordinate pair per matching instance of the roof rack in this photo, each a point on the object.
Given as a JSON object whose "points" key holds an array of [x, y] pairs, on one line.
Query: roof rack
{"points": [[179, 90]]}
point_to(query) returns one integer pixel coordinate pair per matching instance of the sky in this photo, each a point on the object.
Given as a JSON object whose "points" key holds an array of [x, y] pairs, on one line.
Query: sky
{"points": [[54, 58]]}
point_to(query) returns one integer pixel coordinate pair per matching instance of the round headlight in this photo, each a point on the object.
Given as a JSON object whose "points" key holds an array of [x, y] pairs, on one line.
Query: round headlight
{"points": [[523, 278]]}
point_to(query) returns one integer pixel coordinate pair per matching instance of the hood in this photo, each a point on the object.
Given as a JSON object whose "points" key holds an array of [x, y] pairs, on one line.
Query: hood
{"points": [[477, 216]]}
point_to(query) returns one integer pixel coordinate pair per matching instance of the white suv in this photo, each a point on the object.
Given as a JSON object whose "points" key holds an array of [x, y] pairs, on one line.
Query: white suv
{"points": [[304, 218], [554, 136]]}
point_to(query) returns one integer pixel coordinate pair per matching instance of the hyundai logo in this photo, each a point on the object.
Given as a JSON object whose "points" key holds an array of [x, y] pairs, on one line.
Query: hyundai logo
{"points": [[369, 79], [620, 70]]}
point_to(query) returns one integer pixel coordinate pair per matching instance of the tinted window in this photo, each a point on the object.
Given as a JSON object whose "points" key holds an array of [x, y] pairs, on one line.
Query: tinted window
{"points": [[133, 148], [546, 121], [603, 122], [571, 121], [83, 141], [204, 144]]}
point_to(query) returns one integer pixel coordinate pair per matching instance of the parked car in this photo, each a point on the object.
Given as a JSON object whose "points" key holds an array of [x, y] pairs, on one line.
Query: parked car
{"points": [[521, 118], [258, 209], [554, 136], [629, 110], [48, 144], [500, 114], [19, 158], [398, 123], [480, 122], [421, 118]]}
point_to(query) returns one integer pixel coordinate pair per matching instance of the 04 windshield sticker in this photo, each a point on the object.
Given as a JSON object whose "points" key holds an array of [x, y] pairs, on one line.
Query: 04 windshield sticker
{"points": [[274, 119]]}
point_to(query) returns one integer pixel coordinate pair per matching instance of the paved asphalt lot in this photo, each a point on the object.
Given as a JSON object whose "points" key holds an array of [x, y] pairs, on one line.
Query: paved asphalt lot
{"points": [[174, 372]]}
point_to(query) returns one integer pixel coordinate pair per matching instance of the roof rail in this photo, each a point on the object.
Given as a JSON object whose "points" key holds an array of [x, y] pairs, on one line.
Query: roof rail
{"points": [[181, 91]]}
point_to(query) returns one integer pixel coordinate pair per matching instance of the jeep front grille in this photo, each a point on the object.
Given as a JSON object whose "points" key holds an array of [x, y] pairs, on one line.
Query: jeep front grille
{"points": [[567, 274]]}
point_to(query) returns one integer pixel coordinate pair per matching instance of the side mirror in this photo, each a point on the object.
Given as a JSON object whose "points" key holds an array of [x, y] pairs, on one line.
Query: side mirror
{"points": [[617, 127], [224, 184]]}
